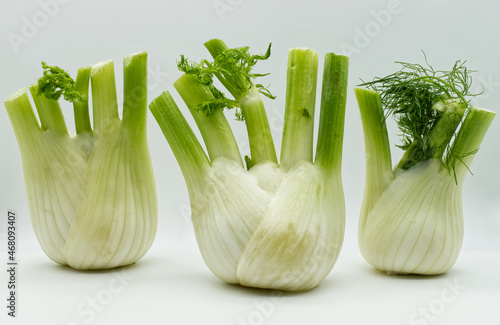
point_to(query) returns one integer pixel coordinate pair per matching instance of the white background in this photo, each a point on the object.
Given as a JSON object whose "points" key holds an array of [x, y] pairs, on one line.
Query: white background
{"points": [[373, 33]]}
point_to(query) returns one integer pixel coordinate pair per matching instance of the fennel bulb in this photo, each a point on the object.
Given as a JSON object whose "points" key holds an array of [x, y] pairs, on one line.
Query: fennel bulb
{"points": [[411, 219], [91, 196], [270, 225]]}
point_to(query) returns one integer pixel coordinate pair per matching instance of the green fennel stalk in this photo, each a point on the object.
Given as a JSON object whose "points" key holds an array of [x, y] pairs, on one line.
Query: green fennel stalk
{"points": [[91, 196], [411, 218], [261, 226]]}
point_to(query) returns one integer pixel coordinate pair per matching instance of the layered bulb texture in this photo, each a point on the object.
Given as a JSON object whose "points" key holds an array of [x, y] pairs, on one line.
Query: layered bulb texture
{"points": [[91, 196], [268, 225], [411, 218]]}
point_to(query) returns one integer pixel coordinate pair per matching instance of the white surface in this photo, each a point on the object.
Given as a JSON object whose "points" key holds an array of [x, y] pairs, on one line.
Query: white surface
{"points": [[174, 287]]}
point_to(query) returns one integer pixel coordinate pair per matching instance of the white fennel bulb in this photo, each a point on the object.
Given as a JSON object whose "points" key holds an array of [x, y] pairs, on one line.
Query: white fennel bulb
{"points": [[268, 225], [91, 196], [411, 219]]}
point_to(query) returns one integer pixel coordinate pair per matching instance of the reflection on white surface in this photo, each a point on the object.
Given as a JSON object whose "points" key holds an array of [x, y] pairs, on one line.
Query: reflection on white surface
{"points": [[169, 287]]}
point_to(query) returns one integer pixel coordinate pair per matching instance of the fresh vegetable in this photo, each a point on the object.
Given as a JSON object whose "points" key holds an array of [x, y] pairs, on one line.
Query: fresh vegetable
{"points": [[92, 196], [411, 219], [270, 225]]}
